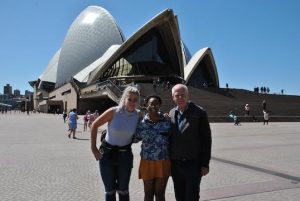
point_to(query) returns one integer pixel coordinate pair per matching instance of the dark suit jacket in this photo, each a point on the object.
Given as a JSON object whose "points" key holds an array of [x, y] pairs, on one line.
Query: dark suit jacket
{"points": [[194, 142]]}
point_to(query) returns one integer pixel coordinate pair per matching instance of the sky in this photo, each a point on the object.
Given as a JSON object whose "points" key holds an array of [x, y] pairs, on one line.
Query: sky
{"points": [[254, 43]]}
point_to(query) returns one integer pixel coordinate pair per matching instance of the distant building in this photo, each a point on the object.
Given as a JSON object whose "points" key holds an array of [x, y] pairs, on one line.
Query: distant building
{"points": [[4, 97], [28, 93], [17, 93], [7, 89]]}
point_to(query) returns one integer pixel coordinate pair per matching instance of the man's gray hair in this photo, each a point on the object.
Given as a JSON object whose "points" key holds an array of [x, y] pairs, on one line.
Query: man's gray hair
{"points": [[180, 86]]}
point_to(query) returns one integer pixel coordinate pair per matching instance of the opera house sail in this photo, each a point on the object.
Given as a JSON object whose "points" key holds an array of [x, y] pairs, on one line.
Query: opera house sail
{"points": [[95, 62], [89, 36]]}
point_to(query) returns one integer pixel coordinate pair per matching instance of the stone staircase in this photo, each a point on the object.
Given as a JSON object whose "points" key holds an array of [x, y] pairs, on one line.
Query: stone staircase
{"points": [[218, 103]]}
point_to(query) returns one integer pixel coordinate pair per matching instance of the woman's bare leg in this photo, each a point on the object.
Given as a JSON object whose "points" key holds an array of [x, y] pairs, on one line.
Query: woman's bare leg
{"points": [[149, 190], [160, 188]]}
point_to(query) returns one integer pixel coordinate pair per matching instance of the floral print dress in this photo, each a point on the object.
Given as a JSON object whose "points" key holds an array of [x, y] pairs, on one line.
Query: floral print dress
{"points": [[154, 137]]}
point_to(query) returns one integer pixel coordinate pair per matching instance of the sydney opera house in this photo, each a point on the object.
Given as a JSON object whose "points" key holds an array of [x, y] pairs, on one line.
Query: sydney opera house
{"points": [[96, 62]]}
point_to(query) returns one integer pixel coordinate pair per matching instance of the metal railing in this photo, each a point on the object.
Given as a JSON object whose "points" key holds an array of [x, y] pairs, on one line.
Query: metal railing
{"points": [[113, 91]]}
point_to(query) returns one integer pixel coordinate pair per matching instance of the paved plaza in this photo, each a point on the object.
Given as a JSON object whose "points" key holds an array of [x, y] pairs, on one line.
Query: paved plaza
{"points": [[39, 162]]}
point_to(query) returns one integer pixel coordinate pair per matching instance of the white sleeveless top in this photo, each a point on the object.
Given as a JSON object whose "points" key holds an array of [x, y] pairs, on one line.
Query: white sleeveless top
{"points": [[122, 126]]}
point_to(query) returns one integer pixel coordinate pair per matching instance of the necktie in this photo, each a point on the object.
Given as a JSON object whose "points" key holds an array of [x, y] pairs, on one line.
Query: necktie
{"points": [[181, 122]]}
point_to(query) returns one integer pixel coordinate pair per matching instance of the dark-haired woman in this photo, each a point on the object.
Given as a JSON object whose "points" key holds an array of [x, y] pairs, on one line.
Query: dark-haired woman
{"points": [[155, 168]]}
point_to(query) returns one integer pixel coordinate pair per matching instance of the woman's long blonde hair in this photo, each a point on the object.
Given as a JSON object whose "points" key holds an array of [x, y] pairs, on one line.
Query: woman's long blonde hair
{"points": [[126, 93]]}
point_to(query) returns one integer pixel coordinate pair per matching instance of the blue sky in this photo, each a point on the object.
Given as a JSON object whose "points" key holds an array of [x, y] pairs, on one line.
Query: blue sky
{"points": [[255, 43]]}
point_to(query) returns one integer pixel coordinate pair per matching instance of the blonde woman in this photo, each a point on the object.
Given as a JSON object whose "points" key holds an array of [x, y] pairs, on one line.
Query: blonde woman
{"points": [[115, 156]]}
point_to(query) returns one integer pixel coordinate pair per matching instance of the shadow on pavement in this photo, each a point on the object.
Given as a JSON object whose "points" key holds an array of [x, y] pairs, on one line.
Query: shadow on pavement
{"points": [[81, 138]]}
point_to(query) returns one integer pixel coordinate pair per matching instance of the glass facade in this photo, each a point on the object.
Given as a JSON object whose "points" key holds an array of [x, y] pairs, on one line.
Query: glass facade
{"points": [[202, 76], [148, 56], [187, 53], [47, 86]]}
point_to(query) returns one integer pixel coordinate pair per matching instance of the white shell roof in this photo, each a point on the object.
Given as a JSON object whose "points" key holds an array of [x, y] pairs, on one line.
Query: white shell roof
{"points": [[83, 75], [166, 16], [89, 36], [196, 59], [49, 75]]}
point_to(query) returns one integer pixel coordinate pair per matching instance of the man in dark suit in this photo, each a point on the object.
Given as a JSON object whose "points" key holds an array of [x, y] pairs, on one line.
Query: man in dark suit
{"points": [[190, 145]]}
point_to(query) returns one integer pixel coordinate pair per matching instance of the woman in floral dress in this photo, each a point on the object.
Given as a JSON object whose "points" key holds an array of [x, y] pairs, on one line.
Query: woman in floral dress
{"points": [[155, 168]]}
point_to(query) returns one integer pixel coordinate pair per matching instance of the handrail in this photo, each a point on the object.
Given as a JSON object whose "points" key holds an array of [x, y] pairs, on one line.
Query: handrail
{"points": [[108, 83], [112, 95], [113, 90]]}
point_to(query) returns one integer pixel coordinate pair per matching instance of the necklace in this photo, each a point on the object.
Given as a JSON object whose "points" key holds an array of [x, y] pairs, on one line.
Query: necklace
{"points": [[154, 121]]}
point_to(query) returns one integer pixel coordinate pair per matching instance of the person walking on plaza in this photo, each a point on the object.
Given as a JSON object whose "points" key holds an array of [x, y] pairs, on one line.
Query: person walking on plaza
{"points": [[264, 105], [73, 123], [65, 116], [85, 120], [115, 155], [266, 117], [96, 114], [247, 110], [155, 166], [235, 119], [190, 145], [92, 118]]}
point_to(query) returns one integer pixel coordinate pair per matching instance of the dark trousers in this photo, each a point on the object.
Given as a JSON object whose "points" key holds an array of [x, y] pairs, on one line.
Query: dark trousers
{"points": [[115, 174], [186, 177]]}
